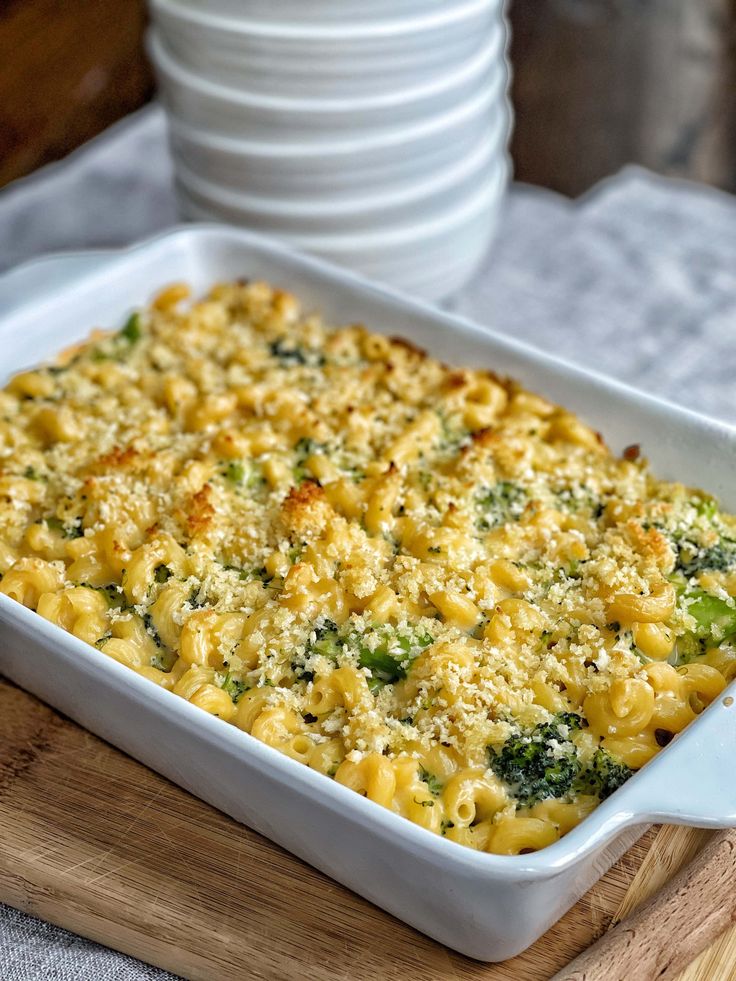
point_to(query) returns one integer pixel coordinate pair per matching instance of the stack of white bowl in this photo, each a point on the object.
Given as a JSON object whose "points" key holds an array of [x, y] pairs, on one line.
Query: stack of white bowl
{"points": [[373, 134]]}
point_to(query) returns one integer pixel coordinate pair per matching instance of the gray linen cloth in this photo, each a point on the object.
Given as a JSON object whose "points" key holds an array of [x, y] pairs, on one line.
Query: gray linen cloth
{"points": [[637, 279]]}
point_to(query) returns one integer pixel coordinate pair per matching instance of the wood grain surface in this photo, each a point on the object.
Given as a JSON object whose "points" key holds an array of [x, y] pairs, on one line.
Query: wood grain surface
{"points": [[659, 938], [97, 843]]}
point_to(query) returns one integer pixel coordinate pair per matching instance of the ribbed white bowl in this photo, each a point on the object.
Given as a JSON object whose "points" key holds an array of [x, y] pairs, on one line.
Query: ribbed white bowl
{"points": [[430, 258], [357, 212], [309, 12], [203, 103], [338, 60], [337, 173], [372, 134], [348, 52]]}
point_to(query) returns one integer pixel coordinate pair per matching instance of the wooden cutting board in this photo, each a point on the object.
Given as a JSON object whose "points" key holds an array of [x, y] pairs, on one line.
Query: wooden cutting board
{"points": [[95, 842]]}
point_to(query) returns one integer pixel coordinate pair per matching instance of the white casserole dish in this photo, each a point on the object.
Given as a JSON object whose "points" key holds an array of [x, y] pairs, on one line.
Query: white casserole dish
{"points": [[486, 906]]}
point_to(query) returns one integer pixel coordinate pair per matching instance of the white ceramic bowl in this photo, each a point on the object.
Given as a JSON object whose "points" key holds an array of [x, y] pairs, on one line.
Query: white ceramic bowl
{"points": [[236, 112], [331, 170], [343, 159], [337, 171], [293, 78], [317, 11], [431, 257], [344, 58], [361, 210]]}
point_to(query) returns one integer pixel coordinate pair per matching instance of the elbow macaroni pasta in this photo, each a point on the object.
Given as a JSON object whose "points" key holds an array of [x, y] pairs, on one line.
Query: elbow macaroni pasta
{"points": [[438, 589]]}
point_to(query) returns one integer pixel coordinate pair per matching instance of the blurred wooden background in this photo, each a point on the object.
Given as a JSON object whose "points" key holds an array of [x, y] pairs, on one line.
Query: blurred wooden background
{"points": [[597, 84]]}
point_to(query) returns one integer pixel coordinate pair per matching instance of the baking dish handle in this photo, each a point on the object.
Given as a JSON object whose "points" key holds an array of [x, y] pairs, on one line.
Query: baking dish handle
{"points": [[694, 780], [34, 279]]}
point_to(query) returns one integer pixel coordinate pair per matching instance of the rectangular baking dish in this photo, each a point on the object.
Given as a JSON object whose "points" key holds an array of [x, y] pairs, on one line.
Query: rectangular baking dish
{"points": [[486, 906]]}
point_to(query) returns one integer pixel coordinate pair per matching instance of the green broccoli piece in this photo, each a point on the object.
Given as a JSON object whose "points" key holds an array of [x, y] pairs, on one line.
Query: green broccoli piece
{"points": [[706, 507], [303, 449], [434, 785], [286, 355], [73, 530], [327, 640], [114, 595], [235, 687], [131, 332], [542, 762], [385, 668], [117, 347], [386, 664], [234, 472], [498, 504], [604, 775], [718, 558], [714, 617], [241, 474], [579, 499]]}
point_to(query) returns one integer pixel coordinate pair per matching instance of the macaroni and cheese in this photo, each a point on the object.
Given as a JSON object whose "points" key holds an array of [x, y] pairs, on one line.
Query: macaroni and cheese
{"points": [[425, 582]]}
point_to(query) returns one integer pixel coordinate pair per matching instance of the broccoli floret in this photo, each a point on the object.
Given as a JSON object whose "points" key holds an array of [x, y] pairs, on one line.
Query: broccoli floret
{"points": [[452, 436], [73, 530], [118, 346], [234, 472], [389, 661], [239, 474], [604, 775], [498, 504], [707, 507], [235, 687], [162, 573], [719, 558], [288, 354], [305, 448], [714, 617], [540, 763], [327, 640], [285, 354], [715, 620], [132, 332], [579, 498], [114, 595], [434, 785]]}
